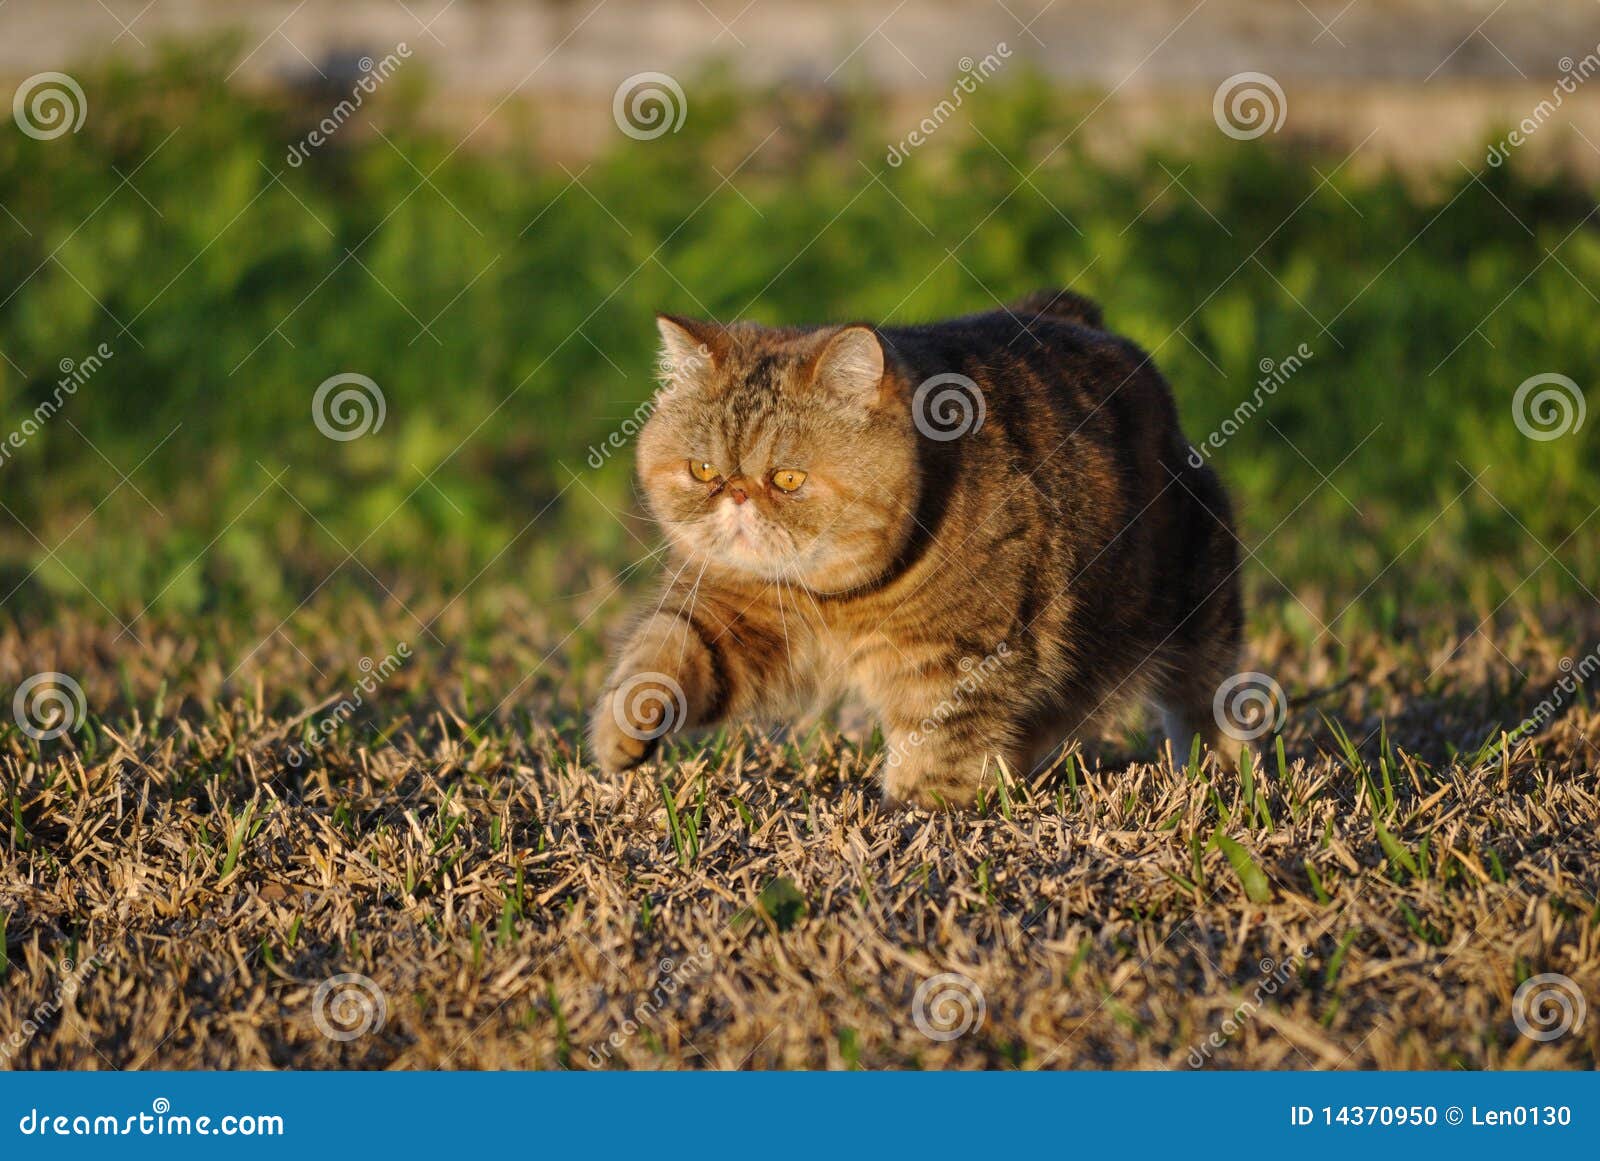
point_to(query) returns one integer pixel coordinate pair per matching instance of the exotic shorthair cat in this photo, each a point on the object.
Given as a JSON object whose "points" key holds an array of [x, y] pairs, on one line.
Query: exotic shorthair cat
{"points": [[988, 529]]}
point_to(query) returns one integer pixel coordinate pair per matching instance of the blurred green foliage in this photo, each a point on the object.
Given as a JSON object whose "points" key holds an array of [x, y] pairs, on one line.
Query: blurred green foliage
{"points": [[503, 303]]}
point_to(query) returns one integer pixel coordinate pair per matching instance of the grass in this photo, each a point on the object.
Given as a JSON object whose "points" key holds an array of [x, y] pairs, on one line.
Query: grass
{"points": [[216, 841], [747, 903], [504, 310]]}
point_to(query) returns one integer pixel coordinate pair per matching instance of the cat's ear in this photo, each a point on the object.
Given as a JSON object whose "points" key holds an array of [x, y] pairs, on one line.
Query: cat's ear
{"points": [[689, 349], [851, 366]]}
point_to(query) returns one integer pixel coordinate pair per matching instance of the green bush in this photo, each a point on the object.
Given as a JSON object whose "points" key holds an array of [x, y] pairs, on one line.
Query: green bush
{"points": [[503, 304]]}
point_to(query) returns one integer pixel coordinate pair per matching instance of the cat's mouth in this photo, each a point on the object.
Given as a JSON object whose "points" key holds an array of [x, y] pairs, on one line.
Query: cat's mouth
{"points": [[747, 542]]}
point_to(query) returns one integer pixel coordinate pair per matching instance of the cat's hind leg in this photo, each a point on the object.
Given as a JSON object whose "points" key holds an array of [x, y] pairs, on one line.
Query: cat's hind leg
{"points": [[1199, 695]]}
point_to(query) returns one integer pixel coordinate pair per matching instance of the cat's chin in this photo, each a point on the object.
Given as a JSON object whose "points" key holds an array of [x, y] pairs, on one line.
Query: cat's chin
{"points": [[822, 570], [733, 555], [749, 566]]}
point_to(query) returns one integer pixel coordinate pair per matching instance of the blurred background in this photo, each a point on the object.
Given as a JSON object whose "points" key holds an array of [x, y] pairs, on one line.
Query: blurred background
{"points": [[306, 299]]}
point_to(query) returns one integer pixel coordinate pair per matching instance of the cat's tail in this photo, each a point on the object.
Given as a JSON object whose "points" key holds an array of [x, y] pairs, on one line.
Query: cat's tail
{"points": [[1062, 304]]}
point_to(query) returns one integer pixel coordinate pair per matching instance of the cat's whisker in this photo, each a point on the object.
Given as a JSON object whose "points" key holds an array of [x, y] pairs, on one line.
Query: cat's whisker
{"points": [[783, 622], [694, 596], [666, 589], [810, 596]]}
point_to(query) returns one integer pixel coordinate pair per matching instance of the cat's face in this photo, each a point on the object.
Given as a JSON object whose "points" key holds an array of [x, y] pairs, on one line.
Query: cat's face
{"points": [[780, 455]]}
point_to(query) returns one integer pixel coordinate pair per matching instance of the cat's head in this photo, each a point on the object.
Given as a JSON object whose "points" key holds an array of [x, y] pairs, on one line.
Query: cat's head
{"points": [[780, 454]]}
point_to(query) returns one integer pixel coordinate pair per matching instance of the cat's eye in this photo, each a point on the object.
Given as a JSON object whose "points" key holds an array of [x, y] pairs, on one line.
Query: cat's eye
{"points": [[788, 479], [703, 471]]}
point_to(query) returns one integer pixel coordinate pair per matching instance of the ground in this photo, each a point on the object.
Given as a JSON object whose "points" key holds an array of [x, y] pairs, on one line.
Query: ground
{"points": [[442, 882]]}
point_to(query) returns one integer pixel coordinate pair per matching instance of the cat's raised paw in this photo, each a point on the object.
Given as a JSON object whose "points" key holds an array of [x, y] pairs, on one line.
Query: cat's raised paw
{"points": [[630, 719], [614, 749]]}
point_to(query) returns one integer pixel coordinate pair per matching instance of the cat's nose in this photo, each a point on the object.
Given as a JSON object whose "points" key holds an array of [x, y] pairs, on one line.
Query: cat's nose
{"points": [[739, 495]]}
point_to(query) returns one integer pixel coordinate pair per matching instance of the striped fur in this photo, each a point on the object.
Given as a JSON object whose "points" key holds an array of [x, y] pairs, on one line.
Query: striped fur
{"points": [[992, 594]]}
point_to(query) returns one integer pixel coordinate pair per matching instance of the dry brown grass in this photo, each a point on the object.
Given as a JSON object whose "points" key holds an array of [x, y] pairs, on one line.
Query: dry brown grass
{"points": [[516, 912]]}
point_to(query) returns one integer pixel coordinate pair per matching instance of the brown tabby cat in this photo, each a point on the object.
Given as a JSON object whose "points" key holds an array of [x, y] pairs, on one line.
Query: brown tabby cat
{"points": [[988, 529]]}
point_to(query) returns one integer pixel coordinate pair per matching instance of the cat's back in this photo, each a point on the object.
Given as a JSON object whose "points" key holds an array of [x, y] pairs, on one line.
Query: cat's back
{"points": [[1039, 372], [1049, 350]]}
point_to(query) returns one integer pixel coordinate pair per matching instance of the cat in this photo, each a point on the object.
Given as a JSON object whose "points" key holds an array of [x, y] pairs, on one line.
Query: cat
{"points": [[988, 529]]}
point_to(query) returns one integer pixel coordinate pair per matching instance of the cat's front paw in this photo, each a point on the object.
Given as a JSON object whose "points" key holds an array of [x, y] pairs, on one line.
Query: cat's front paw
{"points": [[614, 749], [632, 717]]}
